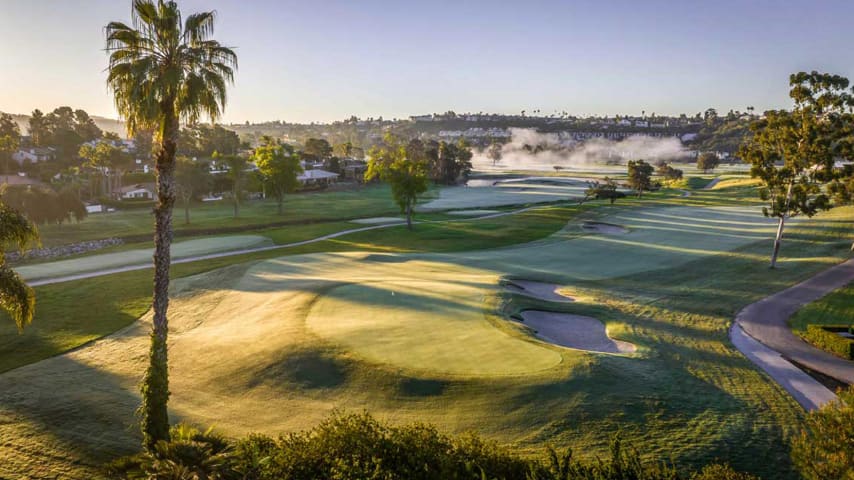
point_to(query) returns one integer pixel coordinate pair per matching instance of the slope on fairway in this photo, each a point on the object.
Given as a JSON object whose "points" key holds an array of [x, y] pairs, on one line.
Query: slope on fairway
{"points": [[278, 345], [506, 193], [91, 263]]}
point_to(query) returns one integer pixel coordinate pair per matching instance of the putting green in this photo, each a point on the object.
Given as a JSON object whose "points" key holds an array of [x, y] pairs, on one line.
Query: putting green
{"points": [[434, 327], [517, 192], [104, 261]]}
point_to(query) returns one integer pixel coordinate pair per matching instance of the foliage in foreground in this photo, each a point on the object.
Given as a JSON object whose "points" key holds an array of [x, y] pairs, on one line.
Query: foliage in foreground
{"points": [[351, 447], [825, 448]]}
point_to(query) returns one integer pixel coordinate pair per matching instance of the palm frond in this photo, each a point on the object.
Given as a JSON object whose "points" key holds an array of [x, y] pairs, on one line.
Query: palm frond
{"points": [[16, 297]]}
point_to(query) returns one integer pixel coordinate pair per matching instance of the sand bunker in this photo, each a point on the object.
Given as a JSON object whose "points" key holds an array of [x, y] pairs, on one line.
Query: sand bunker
{"points": [[539, 290], [606, 228], [376, 220], [472, 213], [574, 331]]}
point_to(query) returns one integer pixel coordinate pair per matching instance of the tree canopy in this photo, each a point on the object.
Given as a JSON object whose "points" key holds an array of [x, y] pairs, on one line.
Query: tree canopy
{"points": [[793, 152], [640, 176], [404, 167], [708, 161], [279, 166]]}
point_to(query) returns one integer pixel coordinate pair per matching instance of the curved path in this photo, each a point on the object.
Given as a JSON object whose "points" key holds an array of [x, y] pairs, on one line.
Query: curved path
{"points": [[231, 253], [766, 322]]}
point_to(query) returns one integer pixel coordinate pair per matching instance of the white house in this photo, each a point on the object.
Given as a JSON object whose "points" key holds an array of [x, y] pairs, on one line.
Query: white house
{"points": [[317, 177], [34, 155], [138, 191]]}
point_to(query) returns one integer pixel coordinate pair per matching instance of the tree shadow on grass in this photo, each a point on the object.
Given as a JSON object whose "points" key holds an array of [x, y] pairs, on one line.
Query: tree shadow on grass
{"points": [[61, 414]]}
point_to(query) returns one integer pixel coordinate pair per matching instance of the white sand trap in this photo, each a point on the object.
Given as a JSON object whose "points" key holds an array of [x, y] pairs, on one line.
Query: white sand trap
{"points": [[539, 290], [376, 220], [472, 213], [606, 228], [574, 331]]}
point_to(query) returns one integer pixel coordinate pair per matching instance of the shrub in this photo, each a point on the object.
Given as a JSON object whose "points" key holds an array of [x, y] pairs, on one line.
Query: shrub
{"points": [[825, 447], [356, 447], [826, 337]]}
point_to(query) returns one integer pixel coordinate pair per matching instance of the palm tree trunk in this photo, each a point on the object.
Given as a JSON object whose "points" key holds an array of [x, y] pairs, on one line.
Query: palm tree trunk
{"points": [[409, 217], [281, 200], [155, 386]]}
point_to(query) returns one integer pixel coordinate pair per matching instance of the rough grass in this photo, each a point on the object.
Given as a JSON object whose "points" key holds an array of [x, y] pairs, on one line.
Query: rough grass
{"points": [[247, 352], [836, 308]]}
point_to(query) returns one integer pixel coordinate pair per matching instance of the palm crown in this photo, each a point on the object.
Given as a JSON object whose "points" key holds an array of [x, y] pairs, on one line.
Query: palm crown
{"points": [[160, 66]]}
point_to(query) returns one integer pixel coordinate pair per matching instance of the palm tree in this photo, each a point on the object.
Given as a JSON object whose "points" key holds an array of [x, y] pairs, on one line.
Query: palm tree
{"points": [[162, 71], [16, 297]]}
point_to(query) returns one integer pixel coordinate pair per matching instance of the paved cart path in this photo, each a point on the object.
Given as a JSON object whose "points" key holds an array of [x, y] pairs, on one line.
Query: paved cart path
{"points": [[766, 321]]}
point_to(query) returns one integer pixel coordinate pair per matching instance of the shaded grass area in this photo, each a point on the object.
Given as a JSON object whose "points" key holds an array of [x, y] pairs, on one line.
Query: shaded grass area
{"points": [[71, 314]]}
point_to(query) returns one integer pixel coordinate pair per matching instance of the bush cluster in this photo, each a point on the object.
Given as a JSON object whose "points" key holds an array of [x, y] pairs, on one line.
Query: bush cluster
{"points": [[351, 447], [826, 337]]}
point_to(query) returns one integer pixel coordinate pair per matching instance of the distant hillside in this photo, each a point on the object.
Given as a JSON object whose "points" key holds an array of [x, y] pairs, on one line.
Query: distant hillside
{"points": [[105, 124]]}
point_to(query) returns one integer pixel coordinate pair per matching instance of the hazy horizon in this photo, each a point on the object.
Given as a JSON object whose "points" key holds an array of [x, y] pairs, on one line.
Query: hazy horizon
{"points": [[304, 63]]}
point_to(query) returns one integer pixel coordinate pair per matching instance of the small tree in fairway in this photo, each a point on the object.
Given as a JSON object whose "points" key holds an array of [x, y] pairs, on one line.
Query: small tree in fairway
{"points": [[640, 176], [793, 153], [404, 168], [708, 161], [603, 191]]}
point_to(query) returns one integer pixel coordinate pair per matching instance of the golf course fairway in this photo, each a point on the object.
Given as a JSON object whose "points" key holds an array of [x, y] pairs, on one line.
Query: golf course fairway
{"points": [[279, 344]]}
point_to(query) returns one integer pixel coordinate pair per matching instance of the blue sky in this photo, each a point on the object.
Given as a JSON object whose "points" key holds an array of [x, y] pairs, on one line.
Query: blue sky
{"points": [[325, 60]]}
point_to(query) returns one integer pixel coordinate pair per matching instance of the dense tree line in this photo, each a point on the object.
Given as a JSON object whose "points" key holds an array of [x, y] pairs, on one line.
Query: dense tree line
{"points": [[42, 205]]}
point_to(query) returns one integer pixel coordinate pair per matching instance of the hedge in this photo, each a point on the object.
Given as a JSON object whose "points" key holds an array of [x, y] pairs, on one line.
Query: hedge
{"points": [[826, 337]]}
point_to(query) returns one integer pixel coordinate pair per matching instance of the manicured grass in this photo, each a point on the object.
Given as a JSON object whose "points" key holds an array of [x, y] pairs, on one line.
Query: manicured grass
{"points": [[183, 249], [276, 343], [368, 201], [836, 308], [70, 314]]}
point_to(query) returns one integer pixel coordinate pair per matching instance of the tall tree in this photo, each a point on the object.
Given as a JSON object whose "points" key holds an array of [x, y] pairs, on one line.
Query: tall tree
{"points": [[10, 140], [708, 161], [164, 69], [192, 177], [793, 153], [640, 176], [317, 149], [16, 297], [404, 168], [107, 159], [279, 166], [235, 166], [494, 152], [38, 128]]}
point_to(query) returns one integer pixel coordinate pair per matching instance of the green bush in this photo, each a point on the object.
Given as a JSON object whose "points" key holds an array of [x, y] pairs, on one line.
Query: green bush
{"points": [[826, 337], [356, 447], [825, 447]]}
